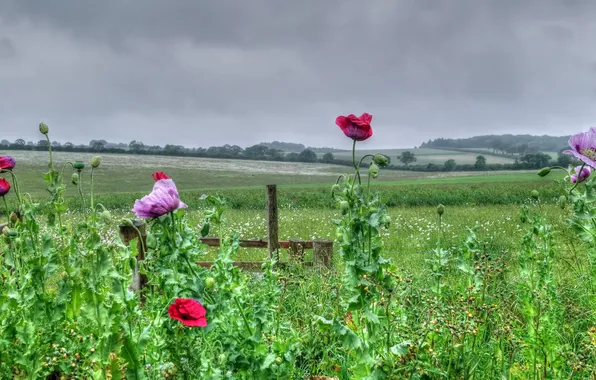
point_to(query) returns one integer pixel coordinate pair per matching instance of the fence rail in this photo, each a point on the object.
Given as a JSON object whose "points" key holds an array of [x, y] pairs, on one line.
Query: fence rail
{"points": [[322, 248]]}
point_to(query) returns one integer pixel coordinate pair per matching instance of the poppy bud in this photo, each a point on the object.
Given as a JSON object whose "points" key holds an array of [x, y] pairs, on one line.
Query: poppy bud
{"points": [[106, 216], [43, 128], [440, 209], [335, 188], [75, 178], [544, 172], [126, 222], [386, 221], [535, 194], [14, 218], [132, 262], [209, 283], [95, 161], [373, 170], [562, 202], [344, 206], [381, 160], [79, 165], [278, 360]]}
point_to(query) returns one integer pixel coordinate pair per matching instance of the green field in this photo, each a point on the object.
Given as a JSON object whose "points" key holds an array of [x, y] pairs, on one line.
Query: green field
{"points": [[498, 287], [427, 156], [121, 179]]}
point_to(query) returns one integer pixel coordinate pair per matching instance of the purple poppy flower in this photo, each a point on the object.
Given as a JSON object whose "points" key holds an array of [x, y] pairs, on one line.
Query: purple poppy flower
{"points": [[163, 199], [580, 173], [583, 146]]}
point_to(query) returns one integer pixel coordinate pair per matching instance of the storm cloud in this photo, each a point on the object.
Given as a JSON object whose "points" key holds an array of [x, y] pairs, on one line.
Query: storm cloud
{"points": [[201, 73]]}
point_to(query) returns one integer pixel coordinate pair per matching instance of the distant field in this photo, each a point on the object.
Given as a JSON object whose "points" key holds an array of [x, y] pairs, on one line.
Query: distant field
{"points": [[428, 156], [132, 173]]}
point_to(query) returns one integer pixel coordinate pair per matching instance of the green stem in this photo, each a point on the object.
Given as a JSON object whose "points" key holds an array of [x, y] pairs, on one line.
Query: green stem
{"points": [[243, 316], [16, 186], [92, 196], [50, 150], [354, 162], [7, 210]]}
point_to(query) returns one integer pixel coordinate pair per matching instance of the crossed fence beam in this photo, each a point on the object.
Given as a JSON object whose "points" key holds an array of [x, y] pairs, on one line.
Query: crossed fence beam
{"points": [[322, 248]]}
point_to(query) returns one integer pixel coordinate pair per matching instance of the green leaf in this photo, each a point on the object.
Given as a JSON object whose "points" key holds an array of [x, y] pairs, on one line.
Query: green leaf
{"points": [[401, 349], [268, 361]]}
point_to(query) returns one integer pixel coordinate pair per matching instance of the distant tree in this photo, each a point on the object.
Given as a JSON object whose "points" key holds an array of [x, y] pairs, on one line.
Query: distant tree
{"points": [[20, 142], [173, 149], [43, 144], [136, 146], [256, 152], [328, 158], [564, 160], [98, 145], [307, 155], [480, 163], [450, 165], [68, 146], [407, 157], [536, 160], [5, 143], [292, 157], [56, 144]]}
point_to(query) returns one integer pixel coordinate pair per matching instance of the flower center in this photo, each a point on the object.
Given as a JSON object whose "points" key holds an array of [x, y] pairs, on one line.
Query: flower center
{"points": [[589, 152]]}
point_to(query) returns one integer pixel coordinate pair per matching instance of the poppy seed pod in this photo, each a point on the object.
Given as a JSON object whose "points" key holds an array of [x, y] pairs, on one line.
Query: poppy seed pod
{"points": [[344, 207], [381, 160], [95, 161], [535, 194], [43, 128], [373, 170], [78, 165], [209, 283], [440, 209]]}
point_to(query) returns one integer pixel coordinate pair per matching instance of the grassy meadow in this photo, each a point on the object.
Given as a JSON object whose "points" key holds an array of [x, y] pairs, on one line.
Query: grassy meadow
{"points": [[497, 287]]}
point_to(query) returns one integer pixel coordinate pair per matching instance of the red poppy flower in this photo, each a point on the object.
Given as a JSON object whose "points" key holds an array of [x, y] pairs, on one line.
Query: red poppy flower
{"points": [[4, 187], [356, 128], [159, 175], [6, 163], [189, 312]]}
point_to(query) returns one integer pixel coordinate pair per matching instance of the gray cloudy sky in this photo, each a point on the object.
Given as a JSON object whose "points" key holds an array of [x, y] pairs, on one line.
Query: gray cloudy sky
{"points": [[203, 73]]}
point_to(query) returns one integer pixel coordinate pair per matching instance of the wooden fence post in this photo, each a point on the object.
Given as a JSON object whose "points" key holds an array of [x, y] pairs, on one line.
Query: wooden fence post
{"points": [[272, 222], [127, 234], [297, 249], [322, 253]]}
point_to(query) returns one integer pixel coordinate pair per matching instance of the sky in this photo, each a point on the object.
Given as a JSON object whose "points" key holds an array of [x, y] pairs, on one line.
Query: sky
{"points": [[202, 73]]}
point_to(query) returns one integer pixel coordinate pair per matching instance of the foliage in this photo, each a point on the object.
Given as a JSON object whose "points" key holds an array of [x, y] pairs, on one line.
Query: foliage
{"points": [[461, 309], [407, 158]]}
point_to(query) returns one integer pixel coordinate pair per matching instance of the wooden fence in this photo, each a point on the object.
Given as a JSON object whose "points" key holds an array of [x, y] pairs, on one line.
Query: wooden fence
{"points": [[322, 249]]}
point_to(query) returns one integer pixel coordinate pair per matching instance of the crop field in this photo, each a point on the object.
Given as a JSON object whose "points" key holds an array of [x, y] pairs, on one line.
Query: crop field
{"points": [[427, 156], [440, 276]]}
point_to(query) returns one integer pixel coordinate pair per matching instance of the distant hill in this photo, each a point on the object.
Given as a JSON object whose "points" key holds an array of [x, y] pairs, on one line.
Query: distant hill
{"points": [[296, 148], [504, 144]]}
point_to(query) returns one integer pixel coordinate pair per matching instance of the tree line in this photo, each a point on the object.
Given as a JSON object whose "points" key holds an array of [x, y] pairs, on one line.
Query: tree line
{"points": [[263, 152], [506, 145], [255, 152]]}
